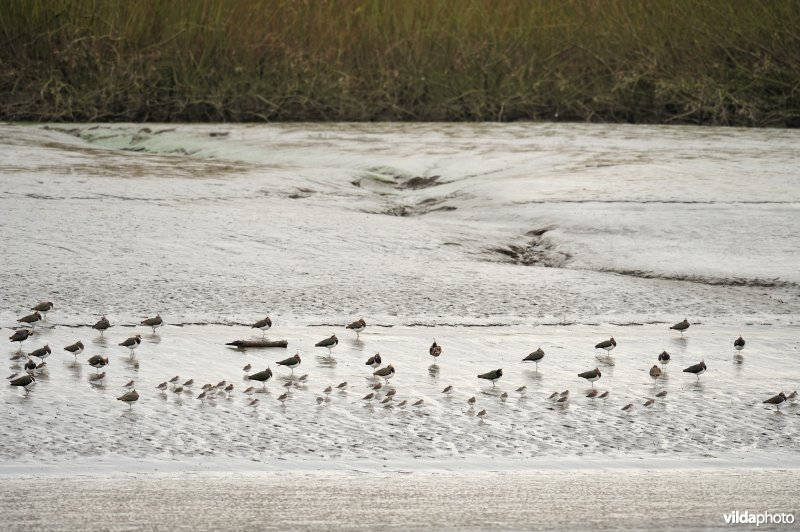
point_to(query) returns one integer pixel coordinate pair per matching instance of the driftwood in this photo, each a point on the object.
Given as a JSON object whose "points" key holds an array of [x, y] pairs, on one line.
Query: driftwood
{"points": [[244, 344]]}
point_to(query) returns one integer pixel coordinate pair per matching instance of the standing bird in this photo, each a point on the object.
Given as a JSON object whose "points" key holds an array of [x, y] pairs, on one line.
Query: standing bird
{"points": [[130, 385], [681, 326], [43, 307], [283, 397], [102, 325], [608, 345], [98, 362], [697, 369], [41, 353], [536, 356], [385, 373], [448, 390], [247, 368], [374, 361], [154, 322], [76, 349], [628, 407], [261, 376], [482, 414], [655, 373], [358, 326], [264, 325], [662, 394], [24, 381], [132, 342], [291, 362], [663, 359], [97, 378], [649, 403], [738, 344], [129, 398], [776, 400], [471, 402], [435, 350], [341, 386], [30, 367], [492, 376], [330, 343], [591, 375], [604, 395], [31, 319], [163, 386], [20, 336], [592, 393]]}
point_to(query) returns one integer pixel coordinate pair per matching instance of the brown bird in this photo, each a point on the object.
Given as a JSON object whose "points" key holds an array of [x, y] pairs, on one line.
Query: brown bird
{"points": [[385, 373], [591, 375], [655, 373], [129, 398], [41, 353], [592, 393], [132, 343], [681, 326], [628, 407], [24, 381], [358, 326], [43, 307], [76, 349], [662, 394], [154, 322], [697, 369], [435, 350], [102, 325], [20, 336], [328, 343], [649, 403], [97, 378], [776, 400], [264, 325], [31, 319], [98, 362]]}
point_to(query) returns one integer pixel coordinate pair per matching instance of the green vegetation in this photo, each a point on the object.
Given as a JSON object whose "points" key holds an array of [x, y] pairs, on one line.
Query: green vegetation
{"points": [[670, 61]]}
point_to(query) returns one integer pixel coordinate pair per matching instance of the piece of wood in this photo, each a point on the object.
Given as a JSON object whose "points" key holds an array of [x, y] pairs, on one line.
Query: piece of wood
{"points": [[256, 344]]}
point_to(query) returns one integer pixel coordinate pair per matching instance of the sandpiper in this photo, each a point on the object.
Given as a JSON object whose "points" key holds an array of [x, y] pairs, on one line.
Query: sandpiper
{"points": [[391, 392], [261, 376], [283, 397], [132, 343], [154, 322], [327, 390], [608, 345], [592, 393], [471, 401], [358, 326], [377, 386], [253, 402], [31, 319], [776, 400], [738, 344], [402, 404], [553, 396], [291, 362], [663, 359], [188, 384], [129, 398], [202, 397], [97, 378], [369, 397], [24, 381], [565, 393], [504, 396], [41, 367], [419, 402], [386, 400], [228, 390], [264, 325], [385, 373], [129, 385], [591, 375], [492, 376], [563, 400], [41, 353], [98, 362], [482, 414], [249, 391], [681, 326], [102, 325], [329, 343], [792, 397], [535, 357], [247, 368], [320, 400], [435, 350], [20, 336], [697, 369], [374, 361], [76, 349], [655, 373], [522, 390], [649, 403], [163, 386], [604, 395], [662, 394], [341, 385], [174, 380], [628, 407], [44, 307], [448, 390]]}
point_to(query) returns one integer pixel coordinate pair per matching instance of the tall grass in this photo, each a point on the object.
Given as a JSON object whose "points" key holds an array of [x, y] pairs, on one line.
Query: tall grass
{"points": [[722, 62]]}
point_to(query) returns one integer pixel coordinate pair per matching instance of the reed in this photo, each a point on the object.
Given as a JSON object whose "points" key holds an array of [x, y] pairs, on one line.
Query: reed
{"points": [[722, 62]]}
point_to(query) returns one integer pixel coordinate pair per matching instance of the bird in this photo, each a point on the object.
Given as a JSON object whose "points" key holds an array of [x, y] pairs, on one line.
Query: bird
{"points": [[391, 393], [592, 393], [553, 396], [402, 404], [329, 343], [12, 376], [202, 397], [536, 356], [264, 325], [303, 378], [102, 325], [154, 322], [41, 353], [20, 336], [30, 367], [604, 395], [261, 376], [418, 403], [253, 402], [44, 307], [471, 401], [697, 369], [448, 390], [649, 403], [504, 396], [663, 359], [374, 361], [129, 385], [98, 362], [358, 326], [24, 381], [249, 391], [97, 378], [591, 375], [31, 319], [377, 386], [565, 393], [738, 344], [41, 367], [188, 384], [435, 350], [132, 342], [521, 390], [341, 385], [76, 349], [681, 326], [129, 398], [174, 380], [283, 397], [608, 345], [776, 400], [655, 373], [792, 397], [628, 407], [369, 397], [320, 400], [327, 390], [386, 373], [163, 386], [493, 375], [247, 368], [228, 389], [220, 385], [387, 400], [291, 362], [662, 394], [482, 414], [563, 400]]}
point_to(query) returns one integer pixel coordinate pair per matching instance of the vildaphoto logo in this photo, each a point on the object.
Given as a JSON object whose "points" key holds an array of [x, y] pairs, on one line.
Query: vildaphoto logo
{"points": [[758, 519]]}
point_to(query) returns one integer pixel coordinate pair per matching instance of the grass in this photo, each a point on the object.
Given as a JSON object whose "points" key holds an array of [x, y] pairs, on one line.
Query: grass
{"points": [[644, 61]]}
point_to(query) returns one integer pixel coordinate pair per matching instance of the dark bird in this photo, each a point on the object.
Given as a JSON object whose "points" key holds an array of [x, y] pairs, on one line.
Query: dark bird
{"points": [[329, 343], [776, 400], [419, 402], [663, 359], [20, 336], [76, 349], [41, 353], [43, 307], [24, 381], [374, 361], [681, 326], [592, 393], [247, 368], [283, 397], [491, 376], [358, 326], [30, 367], [649, 403], [163, 386], [369, 397], [662, 394], [385, 373], [291, 362], [264, 325], [471, 401], [129, 398], [482, 414], [132, 342], [535, 357], [608, 345], [655, 373], [435, 350], [261, 376], [628, 407], [154, 322], [448, 390], [342, 385], [604, 395], [738, 344], [591, 375], [102, 325], [697, 369], [31, 319], [98, 362]]}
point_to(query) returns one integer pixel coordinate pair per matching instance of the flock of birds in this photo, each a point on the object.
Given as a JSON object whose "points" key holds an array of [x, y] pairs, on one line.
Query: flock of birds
{"points": [[35, 364]]}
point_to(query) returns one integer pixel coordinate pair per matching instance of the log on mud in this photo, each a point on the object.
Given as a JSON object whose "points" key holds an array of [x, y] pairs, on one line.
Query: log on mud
{"points": [[257, 344]]}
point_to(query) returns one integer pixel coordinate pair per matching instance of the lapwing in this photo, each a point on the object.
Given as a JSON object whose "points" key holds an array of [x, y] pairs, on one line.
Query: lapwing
{"points": [[132, 343], [493, 376], [98, 362], [358, 326], [663, 359], [20, 336], [264, 325], [608, 345], [102, 325], [76, 349], [291, 362], [681, 326], [31, 319], [738, 344], [591, 375], [129, 398], [374, 361], [435, 350], [154, 322], [41, 353], [328, 343], [261, 376], [43, 307], [535, 357], [24, 381], [385, 373], [696, 369]]}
